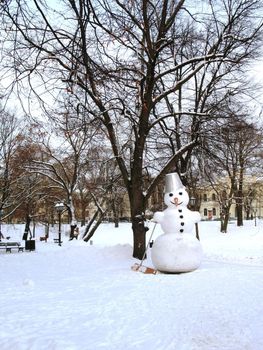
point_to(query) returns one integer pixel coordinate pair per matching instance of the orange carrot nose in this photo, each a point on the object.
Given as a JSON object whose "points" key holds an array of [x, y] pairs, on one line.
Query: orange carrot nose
{"points": [[176, 201]]}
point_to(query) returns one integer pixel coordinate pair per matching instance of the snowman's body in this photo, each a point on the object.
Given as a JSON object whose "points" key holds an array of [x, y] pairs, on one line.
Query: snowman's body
{"points": [[177, 250], [179, 220]]}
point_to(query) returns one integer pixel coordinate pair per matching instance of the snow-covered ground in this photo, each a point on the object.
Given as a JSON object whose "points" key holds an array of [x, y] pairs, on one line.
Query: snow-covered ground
{"points": [[86, 297]]}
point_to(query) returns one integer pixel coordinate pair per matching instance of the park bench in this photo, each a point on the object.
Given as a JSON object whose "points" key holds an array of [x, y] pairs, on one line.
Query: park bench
{"points": [[8, 246]]}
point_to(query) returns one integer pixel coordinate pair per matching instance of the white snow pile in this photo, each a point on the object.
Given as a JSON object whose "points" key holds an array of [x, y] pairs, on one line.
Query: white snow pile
{"points": [[80, 296]]}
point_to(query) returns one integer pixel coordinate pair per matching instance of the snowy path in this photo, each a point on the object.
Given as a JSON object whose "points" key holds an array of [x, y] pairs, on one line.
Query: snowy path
{"points": [[80, 297]]}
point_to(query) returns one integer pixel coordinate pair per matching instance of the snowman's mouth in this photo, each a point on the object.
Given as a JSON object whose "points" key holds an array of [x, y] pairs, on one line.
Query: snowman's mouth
{"points": [[176, 203]]}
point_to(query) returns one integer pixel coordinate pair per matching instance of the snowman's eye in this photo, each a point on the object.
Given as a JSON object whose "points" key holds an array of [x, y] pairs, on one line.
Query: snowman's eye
{"points": [[180, 193], [170, 194]]}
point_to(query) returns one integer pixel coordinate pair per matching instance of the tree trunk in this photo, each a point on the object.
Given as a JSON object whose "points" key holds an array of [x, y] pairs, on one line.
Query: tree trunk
{"points": [[137, 218], [83, 215], [94, 228], [27, 228], [239, 209], [85, 235], [139, 244], [224, 222], [240, 196], [115, 210], [247, 214], [47, 230], [72, 229]]}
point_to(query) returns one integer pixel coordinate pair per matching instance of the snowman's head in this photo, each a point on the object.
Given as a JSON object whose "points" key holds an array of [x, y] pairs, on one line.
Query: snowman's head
{"points": [[176, 198]]}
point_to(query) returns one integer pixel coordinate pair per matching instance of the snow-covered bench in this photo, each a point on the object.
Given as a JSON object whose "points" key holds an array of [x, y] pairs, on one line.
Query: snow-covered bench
{"points": [[8, 246]]}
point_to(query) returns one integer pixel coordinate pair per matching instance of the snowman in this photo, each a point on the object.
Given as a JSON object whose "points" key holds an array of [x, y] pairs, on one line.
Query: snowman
{"points": [[177, 249]]}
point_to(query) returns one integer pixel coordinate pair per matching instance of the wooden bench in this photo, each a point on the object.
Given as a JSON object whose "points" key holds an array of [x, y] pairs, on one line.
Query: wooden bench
{"points": [[8, 246]]}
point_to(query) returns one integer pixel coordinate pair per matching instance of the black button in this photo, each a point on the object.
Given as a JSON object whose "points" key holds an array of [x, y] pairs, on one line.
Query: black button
{"points": [[182, 223], [181, 216], [181, 230]]}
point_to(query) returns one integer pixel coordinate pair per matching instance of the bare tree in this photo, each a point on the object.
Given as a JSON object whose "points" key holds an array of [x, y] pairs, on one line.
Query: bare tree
{"points": [[233, 151], [124, 60], [249, 142], [21, 193], [61, 163], [12, 193]]}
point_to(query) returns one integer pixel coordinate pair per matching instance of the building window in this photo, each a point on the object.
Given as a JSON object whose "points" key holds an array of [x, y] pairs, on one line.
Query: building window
{"points": [[213, 197], [214, 211], [205, 197], [205, 212]]}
